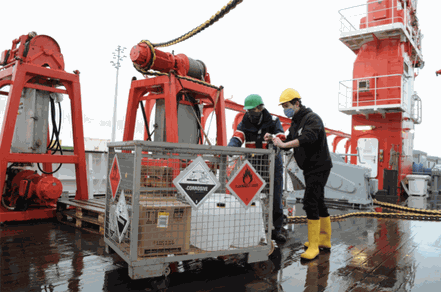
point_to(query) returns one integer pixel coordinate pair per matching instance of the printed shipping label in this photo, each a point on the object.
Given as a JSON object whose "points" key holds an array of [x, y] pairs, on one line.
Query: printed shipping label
{"points": [[163, 219]]}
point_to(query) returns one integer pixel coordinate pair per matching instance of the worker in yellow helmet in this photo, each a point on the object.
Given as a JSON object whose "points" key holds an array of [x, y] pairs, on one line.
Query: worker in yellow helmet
{"points": [[308, 138]]}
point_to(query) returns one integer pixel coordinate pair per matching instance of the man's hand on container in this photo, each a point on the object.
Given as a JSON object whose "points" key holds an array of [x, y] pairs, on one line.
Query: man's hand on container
{"points": [[268, 137], [277, 142]]}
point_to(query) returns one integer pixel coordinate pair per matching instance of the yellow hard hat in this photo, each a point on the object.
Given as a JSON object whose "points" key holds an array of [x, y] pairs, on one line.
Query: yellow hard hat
{"points": [[288, 95]]}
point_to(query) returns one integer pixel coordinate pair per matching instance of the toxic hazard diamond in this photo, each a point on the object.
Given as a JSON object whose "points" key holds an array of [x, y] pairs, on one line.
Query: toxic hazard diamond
{"points": [[246, 184], [114, 177]]}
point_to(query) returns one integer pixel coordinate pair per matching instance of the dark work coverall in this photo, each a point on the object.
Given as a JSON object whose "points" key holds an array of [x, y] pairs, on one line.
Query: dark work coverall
{"points": [[313, 157], [252, 135]]}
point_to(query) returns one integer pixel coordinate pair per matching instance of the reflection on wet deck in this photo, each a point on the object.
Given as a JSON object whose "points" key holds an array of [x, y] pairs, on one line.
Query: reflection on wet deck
{"points": [[368, 254]]}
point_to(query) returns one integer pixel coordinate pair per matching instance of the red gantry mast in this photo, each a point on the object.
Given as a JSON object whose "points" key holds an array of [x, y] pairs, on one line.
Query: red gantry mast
{"points": [[381, 99]]}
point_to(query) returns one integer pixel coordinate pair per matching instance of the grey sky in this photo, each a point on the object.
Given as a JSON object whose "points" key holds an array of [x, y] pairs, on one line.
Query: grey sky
{"points": [[260, 47]]}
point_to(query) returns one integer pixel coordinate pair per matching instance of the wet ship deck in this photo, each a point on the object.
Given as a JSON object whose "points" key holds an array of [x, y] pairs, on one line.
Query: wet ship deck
{"points": [[368, 254]]}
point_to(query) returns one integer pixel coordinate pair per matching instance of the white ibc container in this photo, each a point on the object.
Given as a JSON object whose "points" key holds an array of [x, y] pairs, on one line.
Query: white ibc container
{"points": [[250, 229], [418, 184], [417, 202], [213, 223], [222, 223]]}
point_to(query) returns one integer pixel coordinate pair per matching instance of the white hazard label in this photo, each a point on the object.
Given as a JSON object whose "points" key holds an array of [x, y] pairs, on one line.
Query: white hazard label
{"points": [[196, 182], [163, 219], [121, 217]]}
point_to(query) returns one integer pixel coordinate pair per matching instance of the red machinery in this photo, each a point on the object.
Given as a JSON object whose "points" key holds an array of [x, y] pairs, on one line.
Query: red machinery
{"points": [[381, 97], [167, 87], [28, 186], [286, 123], [184, 98], [34, 70]]}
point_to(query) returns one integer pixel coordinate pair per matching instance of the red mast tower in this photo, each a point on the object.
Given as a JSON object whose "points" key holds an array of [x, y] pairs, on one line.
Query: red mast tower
{"points": [[385, 36]]}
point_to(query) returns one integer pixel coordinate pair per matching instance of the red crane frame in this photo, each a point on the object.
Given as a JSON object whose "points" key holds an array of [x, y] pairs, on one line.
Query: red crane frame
{"points": [[18, 76], [286, 123], [167, 87]]}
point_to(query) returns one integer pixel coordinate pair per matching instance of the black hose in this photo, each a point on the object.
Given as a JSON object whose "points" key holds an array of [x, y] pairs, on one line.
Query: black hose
{"points": [[49, 147], [55, 131], [146, 122]]}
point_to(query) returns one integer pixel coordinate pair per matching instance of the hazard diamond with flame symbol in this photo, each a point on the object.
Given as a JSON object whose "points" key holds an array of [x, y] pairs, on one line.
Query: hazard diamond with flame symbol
{"points": [[114, 177], [246, 184]]}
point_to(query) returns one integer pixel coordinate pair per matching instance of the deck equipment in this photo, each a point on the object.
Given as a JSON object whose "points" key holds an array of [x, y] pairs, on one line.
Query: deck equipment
{"points": [[34, 71]]}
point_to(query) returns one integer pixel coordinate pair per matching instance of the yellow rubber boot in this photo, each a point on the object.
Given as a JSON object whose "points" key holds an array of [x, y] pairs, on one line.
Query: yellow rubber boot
{"points": [[325, 233], [313, 237]]}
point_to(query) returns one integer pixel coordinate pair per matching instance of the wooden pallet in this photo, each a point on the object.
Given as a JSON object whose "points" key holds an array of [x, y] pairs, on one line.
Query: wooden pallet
{"points": [[87, 215], [125, 247]]}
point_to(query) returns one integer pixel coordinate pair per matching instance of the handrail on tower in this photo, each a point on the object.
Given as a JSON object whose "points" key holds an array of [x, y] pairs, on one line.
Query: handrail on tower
{"points": [[372, 93], [382, 18]]}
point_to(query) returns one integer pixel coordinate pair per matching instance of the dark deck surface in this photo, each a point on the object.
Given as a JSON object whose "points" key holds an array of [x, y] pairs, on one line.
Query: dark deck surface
{"points": [[368, 254]]}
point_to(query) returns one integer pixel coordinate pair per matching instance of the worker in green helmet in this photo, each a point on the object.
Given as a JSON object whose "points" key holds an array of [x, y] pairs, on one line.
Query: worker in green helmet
{"points": [[256, 123], [308, 138]]}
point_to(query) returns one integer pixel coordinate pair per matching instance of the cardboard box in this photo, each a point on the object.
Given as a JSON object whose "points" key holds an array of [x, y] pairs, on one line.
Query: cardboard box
{"points": [[164, 228], [156, 176], [157, 196], [163, 173], [153, 182], [152, 195]]}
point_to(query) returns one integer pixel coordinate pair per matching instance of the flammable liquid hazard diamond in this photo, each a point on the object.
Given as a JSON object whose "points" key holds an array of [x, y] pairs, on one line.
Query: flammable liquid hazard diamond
{"points": [[114, 177], [246, 184]]}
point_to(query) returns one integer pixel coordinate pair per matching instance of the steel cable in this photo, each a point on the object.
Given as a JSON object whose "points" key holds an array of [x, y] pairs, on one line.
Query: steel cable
{"points": [[221, 13]]}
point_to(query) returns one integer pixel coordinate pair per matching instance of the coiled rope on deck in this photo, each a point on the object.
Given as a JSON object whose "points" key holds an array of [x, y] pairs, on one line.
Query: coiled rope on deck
{"points": [[410, 214]]}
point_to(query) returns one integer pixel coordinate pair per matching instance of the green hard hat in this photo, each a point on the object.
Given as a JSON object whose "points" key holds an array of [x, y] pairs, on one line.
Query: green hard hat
{"points": [[252, 101]]}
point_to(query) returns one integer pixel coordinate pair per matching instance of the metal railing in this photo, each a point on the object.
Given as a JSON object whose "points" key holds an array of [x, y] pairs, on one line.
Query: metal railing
{"points": [[351, 17], [359, 17], [372, 92]]}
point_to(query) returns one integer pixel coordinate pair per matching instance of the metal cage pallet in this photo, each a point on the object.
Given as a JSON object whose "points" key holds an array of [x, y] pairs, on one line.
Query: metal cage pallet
{"points": [[168, 203]]}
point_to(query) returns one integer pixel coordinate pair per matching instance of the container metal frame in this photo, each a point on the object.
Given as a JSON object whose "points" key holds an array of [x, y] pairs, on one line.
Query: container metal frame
{"points": [[131, 156]]}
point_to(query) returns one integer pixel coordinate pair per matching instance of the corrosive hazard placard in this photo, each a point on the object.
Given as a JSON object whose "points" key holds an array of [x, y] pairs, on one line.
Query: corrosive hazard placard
{"points": [[246, 184], [196, 182]]}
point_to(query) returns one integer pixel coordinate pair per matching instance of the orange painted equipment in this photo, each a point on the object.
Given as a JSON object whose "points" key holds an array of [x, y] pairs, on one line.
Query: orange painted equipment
{"points": [[184, 77], [43, 190], [381, 96], [286, 123], [35, 61], [147, 58]]}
